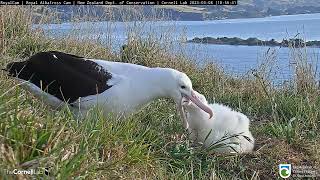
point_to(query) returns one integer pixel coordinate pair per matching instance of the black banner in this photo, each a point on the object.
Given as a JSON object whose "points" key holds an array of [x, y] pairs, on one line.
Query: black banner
{"points": [[119, 2]]}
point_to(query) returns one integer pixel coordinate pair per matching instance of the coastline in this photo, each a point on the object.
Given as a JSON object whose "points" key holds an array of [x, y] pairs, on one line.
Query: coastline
{"points": [[253, 41]]}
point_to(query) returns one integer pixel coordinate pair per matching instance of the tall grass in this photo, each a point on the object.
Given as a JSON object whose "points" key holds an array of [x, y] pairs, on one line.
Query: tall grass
{"points": [[151, 144]]}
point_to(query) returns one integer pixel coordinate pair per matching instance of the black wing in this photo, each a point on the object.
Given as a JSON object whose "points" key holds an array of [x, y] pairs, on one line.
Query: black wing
{"points": [[62, 75]]}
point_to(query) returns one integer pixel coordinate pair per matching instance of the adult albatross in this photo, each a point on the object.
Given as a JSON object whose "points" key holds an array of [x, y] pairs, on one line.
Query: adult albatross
{"points": [[118, 88]]}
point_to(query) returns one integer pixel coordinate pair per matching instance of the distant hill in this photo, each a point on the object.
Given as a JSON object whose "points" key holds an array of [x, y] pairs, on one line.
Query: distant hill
{"points": [[244, 9], [262, 8]]}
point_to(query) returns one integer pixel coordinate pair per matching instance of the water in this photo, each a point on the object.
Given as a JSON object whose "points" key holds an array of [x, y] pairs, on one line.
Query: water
{"points": [[237, 60]]}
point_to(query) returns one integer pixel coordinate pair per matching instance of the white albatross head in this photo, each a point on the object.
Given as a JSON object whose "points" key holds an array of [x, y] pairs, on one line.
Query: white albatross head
{"points": [[180, 89]]}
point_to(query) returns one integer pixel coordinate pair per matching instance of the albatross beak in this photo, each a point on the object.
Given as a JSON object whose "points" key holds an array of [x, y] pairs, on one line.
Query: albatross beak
{"points": [[196, 101], [200, 104]]}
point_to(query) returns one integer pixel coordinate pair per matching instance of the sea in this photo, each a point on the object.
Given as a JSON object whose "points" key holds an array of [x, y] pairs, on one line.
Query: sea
{"points": [[279, 62]]}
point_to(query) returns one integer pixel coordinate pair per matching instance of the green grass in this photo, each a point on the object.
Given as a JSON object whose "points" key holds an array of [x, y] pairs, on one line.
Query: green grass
{"points": [[152, 143]]}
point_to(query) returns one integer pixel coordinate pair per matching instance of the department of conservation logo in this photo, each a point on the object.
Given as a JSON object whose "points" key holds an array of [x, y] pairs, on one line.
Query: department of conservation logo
{"points": [[284, 170]]}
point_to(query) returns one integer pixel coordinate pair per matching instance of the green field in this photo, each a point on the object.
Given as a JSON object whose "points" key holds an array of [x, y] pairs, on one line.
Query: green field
{"points": [[152, 143]]}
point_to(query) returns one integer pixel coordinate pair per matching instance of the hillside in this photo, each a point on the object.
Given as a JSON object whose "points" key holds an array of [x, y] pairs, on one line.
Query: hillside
{"points": [[261, 8]]}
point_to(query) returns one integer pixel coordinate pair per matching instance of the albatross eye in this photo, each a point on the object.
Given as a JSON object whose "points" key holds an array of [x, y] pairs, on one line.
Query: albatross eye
{"points": [[183, 87]]}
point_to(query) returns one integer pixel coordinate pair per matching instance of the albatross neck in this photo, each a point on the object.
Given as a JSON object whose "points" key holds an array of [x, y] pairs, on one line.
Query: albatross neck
{"points": [[157, 82]]}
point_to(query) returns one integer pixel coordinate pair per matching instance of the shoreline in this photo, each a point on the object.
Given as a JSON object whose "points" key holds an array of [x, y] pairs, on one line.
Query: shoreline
{"points": [[252, 41]]}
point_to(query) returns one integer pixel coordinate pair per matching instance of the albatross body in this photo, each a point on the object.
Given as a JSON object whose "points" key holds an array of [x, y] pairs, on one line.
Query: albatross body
{"points": [[118, 88]]}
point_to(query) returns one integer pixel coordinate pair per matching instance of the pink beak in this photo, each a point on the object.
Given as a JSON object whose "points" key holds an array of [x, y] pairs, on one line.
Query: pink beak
{"points": [[200, 104], [196, 101]]}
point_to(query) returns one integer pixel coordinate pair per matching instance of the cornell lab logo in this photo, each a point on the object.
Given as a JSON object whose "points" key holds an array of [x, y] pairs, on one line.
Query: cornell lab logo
{"points": [[284, 170]]}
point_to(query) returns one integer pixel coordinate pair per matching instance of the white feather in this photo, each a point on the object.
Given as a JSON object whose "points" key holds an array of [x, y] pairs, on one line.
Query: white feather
{"points": [[133, 86], [42, 95], [224, 123]]}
